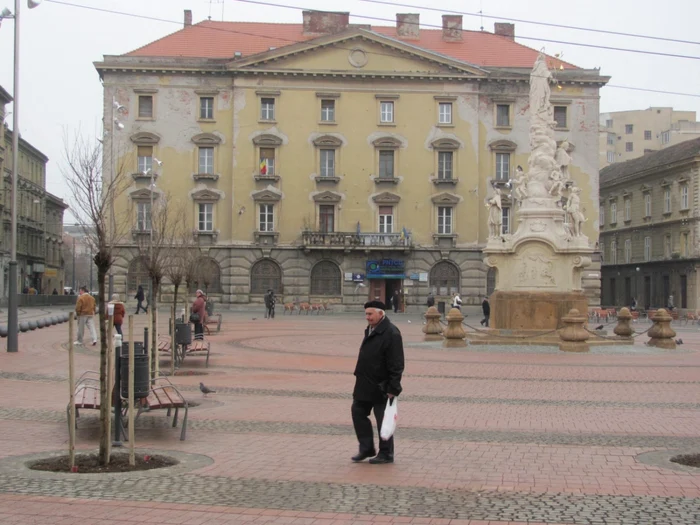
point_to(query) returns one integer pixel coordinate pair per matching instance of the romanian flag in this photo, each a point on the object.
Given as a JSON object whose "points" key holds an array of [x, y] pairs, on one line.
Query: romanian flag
{"points": [[263, 167]]}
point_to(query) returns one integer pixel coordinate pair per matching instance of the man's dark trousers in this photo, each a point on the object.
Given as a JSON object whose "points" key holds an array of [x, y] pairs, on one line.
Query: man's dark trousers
{"points": [[363, 426]]}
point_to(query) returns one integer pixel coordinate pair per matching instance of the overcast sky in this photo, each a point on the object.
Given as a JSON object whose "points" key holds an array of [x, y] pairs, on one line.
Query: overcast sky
{"points": [[60, 89]]}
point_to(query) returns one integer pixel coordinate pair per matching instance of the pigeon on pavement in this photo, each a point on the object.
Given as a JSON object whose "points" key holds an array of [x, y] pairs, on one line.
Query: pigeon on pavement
{"points": [[679, 341], [206, 390], [599, 327]]}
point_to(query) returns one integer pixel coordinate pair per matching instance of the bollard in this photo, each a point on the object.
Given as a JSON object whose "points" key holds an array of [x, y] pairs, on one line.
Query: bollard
{"points": [[432, 328], [624, 328], [574, 336], [454, 333], [661, 334]]}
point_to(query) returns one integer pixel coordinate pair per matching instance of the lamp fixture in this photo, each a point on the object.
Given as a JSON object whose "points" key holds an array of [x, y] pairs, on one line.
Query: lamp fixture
{"points": [[118, 124], [159, 162]]}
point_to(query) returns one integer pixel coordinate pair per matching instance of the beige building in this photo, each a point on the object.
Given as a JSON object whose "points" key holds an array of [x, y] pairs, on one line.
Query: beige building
{"points": [[39, 215], [650, 228], [626, 135], [334, 162]]}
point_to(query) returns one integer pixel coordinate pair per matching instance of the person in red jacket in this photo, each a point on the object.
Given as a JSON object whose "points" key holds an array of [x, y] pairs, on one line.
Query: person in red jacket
{"points": [[119, 313], [199, 312]]}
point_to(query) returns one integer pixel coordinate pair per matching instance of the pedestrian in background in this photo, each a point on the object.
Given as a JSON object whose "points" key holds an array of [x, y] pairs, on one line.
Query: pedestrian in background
{"points": [[85, 310], [119, 313], [486, 308], [456, 301], [431, 300], [140, 297], [378, 372], [198, 314]]}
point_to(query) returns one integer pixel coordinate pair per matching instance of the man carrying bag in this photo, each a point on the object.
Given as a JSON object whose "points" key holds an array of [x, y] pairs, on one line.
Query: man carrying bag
{"points": [[378, 372]]}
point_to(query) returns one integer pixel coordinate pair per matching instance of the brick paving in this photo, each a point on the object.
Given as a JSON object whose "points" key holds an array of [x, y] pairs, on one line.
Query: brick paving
{"points": [[488, 434]]}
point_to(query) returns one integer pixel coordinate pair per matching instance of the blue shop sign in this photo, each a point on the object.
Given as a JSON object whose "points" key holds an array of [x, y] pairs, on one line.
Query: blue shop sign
{"points": [[386, 269]]}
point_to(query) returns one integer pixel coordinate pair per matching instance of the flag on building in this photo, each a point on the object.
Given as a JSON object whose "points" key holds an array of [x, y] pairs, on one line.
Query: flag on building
{"points": [[263, 167]]}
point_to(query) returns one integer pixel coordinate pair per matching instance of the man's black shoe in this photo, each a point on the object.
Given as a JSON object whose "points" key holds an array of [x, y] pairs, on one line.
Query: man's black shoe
{"points": [[363, 455], [381, 459]]}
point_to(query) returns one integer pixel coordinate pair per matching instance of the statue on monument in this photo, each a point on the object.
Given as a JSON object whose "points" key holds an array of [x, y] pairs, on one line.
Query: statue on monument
{"points": [[518, 183], [576, 217], [540, 77], [563, 159], [495, 214]]}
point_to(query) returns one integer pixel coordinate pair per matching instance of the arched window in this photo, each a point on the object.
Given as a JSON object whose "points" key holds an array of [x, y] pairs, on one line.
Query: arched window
{"points": [[490, 281], [265, 275], [444, 278], [325, 279], [207, 276], [137, 276]]}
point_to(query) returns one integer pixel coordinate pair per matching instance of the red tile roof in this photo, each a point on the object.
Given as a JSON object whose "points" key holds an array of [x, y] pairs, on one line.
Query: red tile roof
{"points": [[210, 39]]}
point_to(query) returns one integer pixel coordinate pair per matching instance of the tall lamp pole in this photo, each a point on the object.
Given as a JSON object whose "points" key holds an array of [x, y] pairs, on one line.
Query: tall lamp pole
{"points": [[153, 189], [116, 107]]}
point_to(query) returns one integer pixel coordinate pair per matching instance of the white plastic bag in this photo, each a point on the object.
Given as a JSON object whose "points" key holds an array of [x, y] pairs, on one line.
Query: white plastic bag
{"points": [[391, 416]]}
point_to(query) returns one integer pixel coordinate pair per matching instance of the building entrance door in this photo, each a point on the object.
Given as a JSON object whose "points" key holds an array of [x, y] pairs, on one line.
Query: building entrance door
{"points": [[684, 291], [377, 290]]}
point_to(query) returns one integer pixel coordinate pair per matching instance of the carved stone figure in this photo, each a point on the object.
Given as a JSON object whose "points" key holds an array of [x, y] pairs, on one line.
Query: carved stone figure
{"points": [[540, 77], [495, 214], [576, 218], [518, 182], [563, 159], [557, 183]]}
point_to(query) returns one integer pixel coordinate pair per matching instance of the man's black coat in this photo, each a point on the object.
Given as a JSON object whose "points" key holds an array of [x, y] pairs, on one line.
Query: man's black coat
{"points": [[380, 363]]}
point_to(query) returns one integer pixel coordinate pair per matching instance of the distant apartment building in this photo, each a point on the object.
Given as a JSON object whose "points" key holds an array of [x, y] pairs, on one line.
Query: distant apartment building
{"points": [[626, 135]]}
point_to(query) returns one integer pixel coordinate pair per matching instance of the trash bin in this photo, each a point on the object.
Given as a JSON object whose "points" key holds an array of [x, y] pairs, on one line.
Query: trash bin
{"points": [[141, 376], [441, 307], [183, 333]]}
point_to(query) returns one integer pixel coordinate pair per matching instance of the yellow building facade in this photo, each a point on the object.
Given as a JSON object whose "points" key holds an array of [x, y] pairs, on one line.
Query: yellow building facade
{"points": [[346, 166]]}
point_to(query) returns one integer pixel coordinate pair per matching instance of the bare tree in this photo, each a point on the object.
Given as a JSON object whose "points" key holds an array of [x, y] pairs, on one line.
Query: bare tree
{"points": [[93, 194]]}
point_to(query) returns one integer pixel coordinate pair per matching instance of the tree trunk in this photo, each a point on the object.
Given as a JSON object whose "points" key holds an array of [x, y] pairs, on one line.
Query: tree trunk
{"points": [[155, 287], [173, 321], [104, 370]]}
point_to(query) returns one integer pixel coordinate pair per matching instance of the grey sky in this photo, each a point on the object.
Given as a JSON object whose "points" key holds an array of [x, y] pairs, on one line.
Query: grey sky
{"points": [[60, 89]]}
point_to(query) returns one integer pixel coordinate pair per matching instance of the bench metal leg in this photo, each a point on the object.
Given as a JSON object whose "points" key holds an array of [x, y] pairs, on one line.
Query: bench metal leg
{"points": [[183, 434], [206, 365], [174, 417]]}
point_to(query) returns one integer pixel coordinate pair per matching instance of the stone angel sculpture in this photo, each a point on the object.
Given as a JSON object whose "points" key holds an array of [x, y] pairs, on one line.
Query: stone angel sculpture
{"points": [[518, 182]]}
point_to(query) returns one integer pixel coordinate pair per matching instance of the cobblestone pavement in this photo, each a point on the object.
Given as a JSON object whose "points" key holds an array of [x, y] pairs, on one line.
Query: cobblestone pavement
{"points": [[487, 434]]}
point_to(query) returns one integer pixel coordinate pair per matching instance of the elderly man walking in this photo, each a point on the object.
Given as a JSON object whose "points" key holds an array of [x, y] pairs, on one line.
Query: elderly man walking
{"points": [[85, 310], [377, 377]]}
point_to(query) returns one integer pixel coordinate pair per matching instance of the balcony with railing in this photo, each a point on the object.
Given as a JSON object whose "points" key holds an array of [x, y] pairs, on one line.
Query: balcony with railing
{"points": [[356, 241]]}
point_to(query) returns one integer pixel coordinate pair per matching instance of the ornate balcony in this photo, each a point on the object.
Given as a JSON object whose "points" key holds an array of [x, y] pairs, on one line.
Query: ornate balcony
{"points": [[349, 241]]}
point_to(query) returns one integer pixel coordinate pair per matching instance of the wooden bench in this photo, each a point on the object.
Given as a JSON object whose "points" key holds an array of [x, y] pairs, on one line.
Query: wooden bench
{"points": [[196, 348], [691, 316], [86, 393], [214, 319], [164, 396]]}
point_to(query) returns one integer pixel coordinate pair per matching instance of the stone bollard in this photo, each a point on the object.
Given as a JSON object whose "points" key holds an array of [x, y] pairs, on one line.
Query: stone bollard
{"points": [[624, 328], [661, 333], [574, 336], [454, 333], [432, 328]]}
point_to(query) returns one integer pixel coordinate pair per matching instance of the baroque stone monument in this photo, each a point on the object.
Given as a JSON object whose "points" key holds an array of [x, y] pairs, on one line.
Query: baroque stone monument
{"points": [[538, 268]]}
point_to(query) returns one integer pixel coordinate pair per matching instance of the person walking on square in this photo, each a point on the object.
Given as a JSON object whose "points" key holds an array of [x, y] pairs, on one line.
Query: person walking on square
{"points": [[270, 304], [378, 372], [431, 300], [396, 301], [140, 296], [486, 308], [199, 312], [85, 310], [456, 301], [119, 313]]}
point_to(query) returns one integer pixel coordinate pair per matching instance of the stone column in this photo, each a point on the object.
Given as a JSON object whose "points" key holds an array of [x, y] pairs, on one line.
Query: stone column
{"points": [[432, 328], [574, 336], [624, 328], [454, 333], [661, 333]]}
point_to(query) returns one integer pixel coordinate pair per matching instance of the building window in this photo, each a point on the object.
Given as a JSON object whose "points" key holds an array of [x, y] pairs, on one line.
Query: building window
{"points": [[327, 110], [611, 139], [665, 137], [445, 165], [628, 209], [609, 123], [647, 134], [667, 246], [629, 129], [602, 252], [386, 112], [138, 275], [503, 167], [265, 275], [601, 214], [445, 113], [611, 157], [325, 279], [613, 213], [684, 244], [143, 216], [628, 251], [444, 220], [267, 161], [144, 156], [206, 108], [386, 164], [560, 116], [613, 252], [647, 204], [503, 115], [326, 218], [386, 219], [206, 160], [629, 146], [266, 221], [207, 276], [684, 197], [505, 215], [444, 279], [667, 200], [206, 217], [145, 106], [647, 249], [327, 163], [267, 109]]}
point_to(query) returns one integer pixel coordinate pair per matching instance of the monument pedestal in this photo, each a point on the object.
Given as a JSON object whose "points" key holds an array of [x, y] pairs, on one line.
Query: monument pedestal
{"points": [[526, 310]]}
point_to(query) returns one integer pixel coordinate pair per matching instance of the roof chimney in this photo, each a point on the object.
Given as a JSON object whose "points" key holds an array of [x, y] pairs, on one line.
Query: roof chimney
{"points": [[452, 28], [325, 21], [188, 17], [504, 29], [407, 25]]}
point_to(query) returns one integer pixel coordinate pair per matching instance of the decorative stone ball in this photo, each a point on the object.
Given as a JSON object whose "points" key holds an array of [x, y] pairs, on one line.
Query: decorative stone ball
{"points": [[24, 326], [32, 325], [53, 319], [65, 317], [3, 330], [41, 323]]}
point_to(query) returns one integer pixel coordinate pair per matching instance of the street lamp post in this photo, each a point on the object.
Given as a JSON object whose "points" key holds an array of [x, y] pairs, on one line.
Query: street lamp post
{"points": [[115, 124]]}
